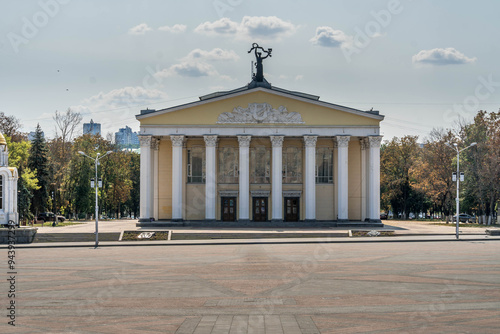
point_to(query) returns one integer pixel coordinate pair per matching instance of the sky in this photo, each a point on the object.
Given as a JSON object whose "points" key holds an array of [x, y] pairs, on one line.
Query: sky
{"points": [[423, 64]]}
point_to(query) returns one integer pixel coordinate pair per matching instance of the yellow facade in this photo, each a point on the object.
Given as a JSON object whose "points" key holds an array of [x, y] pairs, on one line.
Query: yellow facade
{"points": [[316, 116]]}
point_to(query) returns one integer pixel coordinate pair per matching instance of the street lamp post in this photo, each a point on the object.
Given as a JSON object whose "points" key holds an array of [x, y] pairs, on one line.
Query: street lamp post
{"points": [[96, 186], [455, 147]]}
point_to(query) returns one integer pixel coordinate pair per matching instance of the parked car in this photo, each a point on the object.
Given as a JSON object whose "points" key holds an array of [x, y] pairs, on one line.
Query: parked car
{"points": [[49, 217], [465, 218], [383, 215]]}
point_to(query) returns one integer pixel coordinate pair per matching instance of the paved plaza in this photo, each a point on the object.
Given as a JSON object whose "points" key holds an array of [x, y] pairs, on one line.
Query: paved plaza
{"points": [[326, 287]]}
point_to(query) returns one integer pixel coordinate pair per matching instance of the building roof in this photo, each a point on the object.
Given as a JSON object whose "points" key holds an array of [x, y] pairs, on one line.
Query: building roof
{"points": [[259, 86]]}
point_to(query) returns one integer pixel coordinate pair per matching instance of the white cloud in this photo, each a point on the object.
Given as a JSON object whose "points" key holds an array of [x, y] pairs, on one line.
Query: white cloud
{"points": [[195, 65], [124, 97], [223, 26], [448, 56], [299, 77], [140, 29], [191, 69], [118, 107], [175, 29], [214, 54], [329, 37], [264, 27]]}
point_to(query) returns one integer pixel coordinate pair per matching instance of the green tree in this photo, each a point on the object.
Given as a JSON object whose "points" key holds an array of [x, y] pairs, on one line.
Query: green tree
{"points": [[9, 127], [435, 169], [482, 165], [81, 170], [38, 162], [27, 182], [398, 161], [133, 201], [60, 153]]}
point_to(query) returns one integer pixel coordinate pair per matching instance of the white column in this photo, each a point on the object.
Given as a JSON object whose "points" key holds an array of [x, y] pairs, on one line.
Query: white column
{"points": [[342, 181], [374, 178], [211, 177], [310, 177], [154, 146], [177, 205], [277, 173], [244, 178], [145, 197], [364, 176]]}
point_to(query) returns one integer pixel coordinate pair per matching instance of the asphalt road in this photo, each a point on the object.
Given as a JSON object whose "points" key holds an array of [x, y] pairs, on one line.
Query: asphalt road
{"points": [[372, 287]]}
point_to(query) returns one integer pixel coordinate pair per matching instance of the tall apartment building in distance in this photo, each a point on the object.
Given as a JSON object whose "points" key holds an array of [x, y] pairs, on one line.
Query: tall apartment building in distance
{"points": [[125, 138], [92, 128]]}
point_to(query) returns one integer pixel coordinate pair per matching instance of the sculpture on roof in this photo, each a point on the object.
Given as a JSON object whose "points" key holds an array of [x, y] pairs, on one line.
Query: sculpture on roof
{"points": [[259, 76]]}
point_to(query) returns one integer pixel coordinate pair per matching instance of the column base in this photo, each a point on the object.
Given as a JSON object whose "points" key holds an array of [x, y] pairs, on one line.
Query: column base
{"points": [[244, 221], [211, 220], [177, 220], [373, 220], [276, 220], [342, 220], [146, 219], [310, 220]]}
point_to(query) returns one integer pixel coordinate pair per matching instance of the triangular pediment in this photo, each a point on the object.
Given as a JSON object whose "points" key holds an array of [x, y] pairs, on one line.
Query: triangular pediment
{"points": [[260, 107]]}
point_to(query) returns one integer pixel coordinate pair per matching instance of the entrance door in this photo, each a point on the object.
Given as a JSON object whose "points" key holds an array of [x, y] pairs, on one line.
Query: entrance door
{"points": [[260, 209], [291, 209], [228, 209]]}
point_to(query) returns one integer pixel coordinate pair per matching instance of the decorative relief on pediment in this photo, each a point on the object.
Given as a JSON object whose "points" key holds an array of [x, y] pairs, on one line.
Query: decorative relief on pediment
{"points": [[257, 113]]}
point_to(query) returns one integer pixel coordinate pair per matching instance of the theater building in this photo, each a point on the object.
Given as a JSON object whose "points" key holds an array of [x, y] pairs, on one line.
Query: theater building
{"points": [[262, 154]]}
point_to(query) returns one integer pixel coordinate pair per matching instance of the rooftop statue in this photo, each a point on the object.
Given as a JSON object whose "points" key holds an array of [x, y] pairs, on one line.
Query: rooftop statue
{"points": [[259, 77]]}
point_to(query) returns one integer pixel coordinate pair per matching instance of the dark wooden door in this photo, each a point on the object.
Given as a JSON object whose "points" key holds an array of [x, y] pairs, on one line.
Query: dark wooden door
{"points": [[229, 209], [292, 209], [260, 209]]}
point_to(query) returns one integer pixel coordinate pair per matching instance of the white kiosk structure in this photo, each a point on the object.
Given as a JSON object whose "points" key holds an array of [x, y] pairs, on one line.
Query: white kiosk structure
{"points": [[8, 187]]}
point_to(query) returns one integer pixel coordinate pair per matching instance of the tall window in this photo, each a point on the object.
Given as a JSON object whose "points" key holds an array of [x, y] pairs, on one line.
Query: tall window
{"points": [[228, 165], [260, 165], [196, 165], [324, 165], [292, 165]]}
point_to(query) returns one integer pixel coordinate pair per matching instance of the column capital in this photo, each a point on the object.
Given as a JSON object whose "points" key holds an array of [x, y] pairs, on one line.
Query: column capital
{"points": [[310, 141], [364, 143], [210, 140], [244, 141], [277, 141], [374, 141], [155, 143], [342, 141], [177, 140], [145, 141]]}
